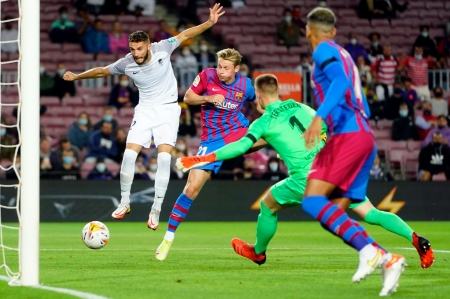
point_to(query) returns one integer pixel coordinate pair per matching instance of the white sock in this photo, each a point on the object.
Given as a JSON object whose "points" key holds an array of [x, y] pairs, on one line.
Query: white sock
{"points": [[127, 175], [161, 179], [169, 236]]}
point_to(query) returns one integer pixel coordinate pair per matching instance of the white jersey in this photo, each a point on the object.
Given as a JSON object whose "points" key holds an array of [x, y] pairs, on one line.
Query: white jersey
{"points": [[155, 80]]}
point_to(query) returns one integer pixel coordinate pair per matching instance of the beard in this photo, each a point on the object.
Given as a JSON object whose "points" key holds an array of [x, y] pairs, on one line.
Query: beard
{"points": [[145, 59]]}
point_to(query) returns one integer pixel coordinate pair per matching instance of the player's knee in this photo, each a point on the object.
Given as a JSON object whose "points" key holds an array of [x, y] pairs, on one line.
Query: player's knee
{"points": [[164, 160], [192, 190]]}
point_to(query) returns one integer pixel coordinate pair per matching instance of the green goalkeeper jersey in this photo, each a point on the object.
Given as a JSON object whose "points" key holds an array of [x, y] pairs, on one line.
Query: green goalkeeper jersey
{"points": [[282, 126]]}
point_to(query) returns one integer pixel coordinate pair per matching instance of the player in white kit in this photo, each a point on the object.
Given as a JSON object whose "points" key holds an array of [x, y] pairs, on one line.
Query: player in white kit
{"points": [[157, 114]]}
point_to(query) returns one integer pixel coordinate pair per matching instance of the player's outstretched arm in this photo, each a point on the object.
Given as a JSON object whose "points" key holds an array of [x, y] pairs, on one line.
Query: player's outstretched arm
{"points": [[98, 72], [191, 98], [214, 14]]}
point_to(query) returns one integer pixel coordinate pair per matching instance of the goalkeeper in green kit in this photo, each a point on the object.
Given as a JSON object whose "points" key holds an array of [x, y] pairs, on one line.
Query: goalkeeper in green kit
{"points": [[282, 126]]}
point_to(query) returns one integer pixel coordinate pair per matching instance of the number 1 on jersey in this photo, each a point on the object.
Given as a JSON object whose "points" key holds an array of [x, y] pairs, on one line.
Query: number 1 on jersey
{"points": [[294, 122]]}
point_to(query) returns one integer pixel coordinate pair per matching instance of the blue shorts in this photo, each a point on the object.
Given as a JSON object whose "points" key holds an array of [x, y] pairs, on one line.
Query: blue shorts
{"points": [[207, 147]]}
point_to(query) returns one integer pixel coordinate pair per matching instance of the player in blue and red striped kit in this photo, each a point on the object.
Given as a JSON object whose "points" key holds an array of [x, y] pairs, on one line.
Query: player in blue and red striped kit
{"points": [[222, 92], [340, 171]]}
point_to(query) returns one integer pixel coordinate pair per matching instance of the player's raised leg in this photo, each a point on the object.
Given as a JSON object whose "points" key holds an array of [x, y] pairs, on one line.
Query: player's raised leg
{"points": [[126, 179], [396, 225], [197, 178]]}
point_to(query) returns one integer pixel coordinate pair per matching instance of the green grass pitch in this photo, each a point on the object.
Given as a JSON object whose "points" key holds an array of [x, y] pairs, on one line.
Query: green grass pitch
{"points": [[303, 261]]}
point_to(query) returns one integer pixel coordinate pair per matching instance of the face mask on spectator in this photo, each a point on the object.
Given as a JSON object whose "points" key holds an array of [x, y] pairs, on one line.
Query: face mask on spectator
{"points": [[186, 52], [64, 16], [375, 44], [2, 132], [425, 34], [438, 94], [83, 121], [273, 166], [67, 160], [124, 83], [101, 167], [107, 118], [418, 57], [203, 48], [403, 113], [153, 167], [61, 72], [41, 70], [353, 41], [244, 73], [181, 147], [288, 19]]}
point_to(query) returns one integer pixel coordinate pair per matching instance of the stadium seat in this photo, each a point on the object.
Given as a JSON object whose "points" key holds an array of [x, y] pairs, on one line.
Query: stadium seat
{"points": [[379, 134], [86, 168], [439, 177], [386, 145], [126, 112], [394, 158], [95, 100], [409, 165], [414, 145], [113, 167], [385, 124], [60, 111], [50, 101], [72, 101], [124, 121]]}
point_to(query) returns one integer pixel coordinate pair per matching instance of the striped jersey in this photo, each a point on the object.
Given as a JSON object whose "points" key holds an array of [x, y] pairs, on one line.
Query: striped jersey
{"points": [[337, 89], [155, 79], [385, 69], [218, 121], [417, 70]]}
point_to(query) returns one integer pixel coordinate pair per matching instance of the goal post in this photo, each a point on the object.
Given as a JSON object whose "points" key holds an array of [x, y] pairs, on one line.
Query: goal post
{"points": [[29, 122]]}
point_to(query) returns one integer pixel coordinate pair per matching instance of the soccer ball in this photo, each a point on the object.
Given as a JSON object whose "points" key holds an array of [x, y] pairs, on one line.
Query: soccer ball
{"points": [[95, 235]]}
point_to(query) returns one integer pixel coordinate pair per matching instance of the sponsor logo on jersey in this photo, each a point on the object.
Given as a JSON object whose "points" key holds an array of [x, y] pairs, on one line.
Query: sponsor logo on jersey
{"points": [[171, 40], [160, 62], [196, 81], [227, 105], [239, 95]]}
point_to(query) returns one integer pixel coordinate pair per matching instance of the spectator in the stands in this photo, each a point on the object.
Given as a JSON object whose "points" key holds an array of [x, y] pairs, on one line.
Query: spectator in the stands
{"points": [[181, 148], [102, 144], [364, 69], [9, 33], [6, 153], [108, 116], [118, 41], [439, 105], [47, 159], [63, 30], [417, 69], [273, 172], [297, 19], [244, 70], [121, 140], [122, 95], [441, 128], [368, 9], [205, 58], [425, 120], [443, 47], [187, 127], [115, 7], [69, 170], [424, 41], [393, 103], [181, 26], [186, 63], [97, 40], [434, 159], [84, 24], [377, 108], [62, 87], [151, 34], [354, 48], [379, 173], [149, 172], [64, 149], [409, 94], [95, 7], [80, 132], [11, 174], [146, 7], [100, 172], [384, 70], [305, 63], [163, 31], [287, 32], [375, 51], [46, 82], [403, 127]]}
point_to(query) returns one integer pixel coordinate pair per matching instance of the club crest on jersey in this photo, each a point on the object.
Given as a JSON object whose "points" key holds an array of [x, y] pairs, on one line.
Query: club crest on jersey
{"points": [[239, 96]]}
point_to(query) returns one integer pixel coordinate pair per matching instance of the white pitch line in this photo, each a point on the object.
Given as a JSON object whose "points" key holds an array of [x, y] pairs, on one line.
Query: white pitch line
{"points": [[74, 293]]}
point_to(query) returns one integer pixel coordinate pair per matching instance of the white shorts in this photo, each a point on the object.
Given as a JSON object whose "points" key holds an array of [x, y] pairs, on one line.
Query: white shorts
{"points": [[160, 122]]}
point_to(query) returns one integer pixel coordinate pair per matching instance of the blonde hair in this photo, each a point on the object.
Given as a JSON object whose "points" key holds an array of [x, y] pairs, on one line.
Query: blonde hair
{"points": [[267, 84], [322, 19], [231, 55]]}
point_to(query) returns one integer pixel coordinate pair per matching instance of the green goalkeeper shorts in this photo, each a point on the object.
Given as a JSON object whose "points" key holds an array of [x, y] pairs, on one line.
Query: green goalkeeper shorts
{"points": [[289, 192]]}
